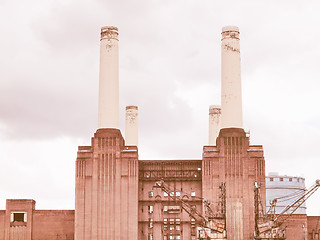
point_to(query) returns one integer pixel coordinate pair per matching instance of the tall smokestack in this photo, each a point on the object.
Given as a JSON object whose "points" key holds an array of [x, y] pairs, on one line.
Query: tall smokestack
{"points": [[231, 97], [214, 123], [108, 112], [131, 126]]}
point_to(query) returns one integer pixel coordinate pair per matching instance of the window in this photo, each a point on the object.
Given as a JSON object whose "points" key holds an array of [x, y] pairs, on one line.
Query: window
{"points": [[193, 194], [281, 179], [165, 194], [193, 222], [178, 227], [150, 194], [271, 179], [150, 236], [290, 179], [18, 217], [150, 209], [171, 209], [178, 220], [178, 194], [171, 194], [171, 227], [150, 223]]}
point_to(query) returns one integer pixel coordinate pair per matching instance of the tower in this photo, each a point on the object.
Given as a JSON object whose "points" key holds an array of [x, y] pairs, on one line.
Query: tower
{"points": [[106, 204], [214, 123], [233, 160]]}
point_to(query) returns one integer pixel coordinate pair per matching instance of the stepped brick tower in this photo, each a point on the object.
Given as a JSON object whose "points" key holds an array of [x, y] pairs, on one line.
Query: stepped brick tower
{"points": [[107, 171], [233, 161]]}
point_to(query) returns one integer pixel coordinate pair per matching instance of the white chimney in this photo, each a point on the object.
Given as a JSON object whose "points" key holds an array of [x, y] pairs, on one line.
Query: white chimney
{"points": [[231, 97], [214, 123], [108, 112], [131, 126]]}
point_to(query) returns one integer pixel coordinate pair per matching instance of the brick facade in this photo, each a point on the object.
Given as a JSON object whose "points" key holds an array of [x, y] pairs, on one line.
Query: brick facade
{"points": [[116, 198], [31, 224]]}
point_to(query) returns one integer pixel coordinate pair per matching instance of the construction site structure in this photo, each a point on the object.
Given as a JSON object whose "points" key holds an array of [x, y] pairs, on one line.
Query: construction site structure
{"points": [[211, 224], [270, 225], [282, 185]]}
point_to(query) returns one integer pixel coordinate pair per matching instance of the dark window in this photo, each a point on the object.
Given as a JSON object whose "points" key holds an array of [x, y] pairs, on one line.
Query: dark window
{"points": [[290, 179], [281, 179], [18, 217], [271, 179]]}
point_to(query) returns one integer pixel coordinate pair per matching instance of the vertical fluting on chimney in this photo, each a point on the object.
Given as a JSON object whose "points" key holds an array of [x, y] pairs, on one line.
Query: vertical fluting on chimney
{"points": [[108, 112], [214, 123], [131, 138], [231, 97]]}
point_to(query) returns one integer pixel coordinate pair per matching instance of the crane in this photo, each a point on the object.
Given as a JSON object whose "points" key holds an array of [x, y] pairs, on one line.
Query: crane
{"points": [[211, 226], [270, 225]]}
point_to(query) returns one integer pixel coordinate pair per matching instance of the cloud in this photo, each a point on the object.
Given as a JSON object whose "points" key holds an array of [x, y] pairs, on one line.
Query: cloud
{"points": [[169, 67]]}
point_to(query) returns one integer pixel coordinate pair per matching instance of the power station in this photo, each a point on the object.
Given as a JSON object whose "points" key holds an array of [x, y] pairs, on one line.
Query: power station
{"points": [[118, 196]]}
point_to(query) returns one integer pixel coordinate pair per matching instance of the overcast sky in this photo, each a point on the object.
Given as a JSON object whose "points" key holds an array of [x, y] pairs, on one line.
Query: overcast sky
{"points": [[169, 67]]}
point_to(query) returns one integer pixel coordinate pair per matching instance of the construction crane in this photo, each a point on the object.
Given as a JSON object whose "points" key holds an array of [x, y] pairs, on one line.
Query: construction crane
{"points": [[270, 225], [212, 225]]}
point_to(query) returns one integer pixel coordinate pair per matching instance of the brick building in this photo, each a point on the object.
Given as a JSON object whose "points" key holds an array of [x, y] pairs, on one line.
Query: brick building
{"points": [[116, 193]]}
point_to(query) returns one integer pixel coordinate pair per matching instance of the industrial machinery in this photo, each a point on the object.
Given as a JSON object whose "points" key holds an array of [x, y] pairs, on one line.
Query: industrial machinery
{"points": [[269, 225], [212, 225]]}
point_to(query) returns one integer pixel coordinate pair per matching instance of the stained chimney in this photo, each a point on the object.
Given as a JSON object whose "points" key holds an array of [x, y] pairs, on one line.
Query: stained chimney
{"points": [[108, 112], [231, 97], [214, 123], [131, 126]]}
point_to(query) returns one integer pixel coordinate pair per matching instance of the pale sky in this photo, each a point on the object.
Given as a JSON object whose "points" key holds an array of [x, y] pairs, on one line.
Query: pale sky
{"points": [[169, 67]]}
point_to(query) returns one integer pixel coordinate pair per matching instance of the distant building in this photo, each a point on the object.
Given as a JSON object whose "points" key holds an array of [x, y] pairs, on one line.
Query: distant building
{"points": [[286, 189]]}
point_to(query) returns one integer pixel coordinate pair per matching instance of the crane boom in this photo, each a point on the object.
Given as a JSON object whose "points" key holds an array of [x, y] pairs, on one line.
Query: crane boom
{"points": [[269, 226], [207, 225]]}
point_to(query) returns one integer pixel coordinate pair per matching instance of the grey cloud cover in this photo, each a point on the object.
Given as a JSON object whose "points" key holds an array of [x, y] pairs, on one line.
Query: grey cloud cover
{"points": [[169, 67]]}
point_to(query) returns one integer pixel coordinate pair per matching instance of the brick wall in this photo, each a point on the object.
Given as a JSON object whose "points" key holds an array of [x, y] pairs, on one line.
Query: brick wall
{"points": [[53, 224], [35, 224], [313, 227]]}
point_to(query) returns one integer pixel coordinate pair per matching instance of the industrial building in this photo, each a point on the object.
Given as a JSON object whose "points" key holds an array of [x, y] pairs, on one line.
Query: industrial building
{"points": [[285, 189], [119, 196]]}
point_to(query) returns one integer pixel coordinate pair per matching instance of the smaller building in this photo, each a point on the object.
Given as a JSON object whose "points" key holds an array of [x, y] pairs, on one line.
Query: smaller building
{"points": [[21, 221], [286, 189]]}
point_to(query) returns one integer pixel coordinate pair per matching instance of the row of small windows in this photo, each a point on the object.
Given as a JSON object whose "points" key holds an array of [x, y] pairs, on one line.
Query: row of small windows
{"points": [[281, 179], [172, 224], [172, 194], [166, 237], [167, 209]]}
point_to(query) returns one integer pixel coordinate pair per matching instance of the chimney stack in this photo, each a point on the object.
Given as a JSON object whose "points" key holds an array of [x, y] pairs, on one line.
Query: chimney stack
{"points": [[108, 112], [231, 97], [131, 126], [214, 123]]}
